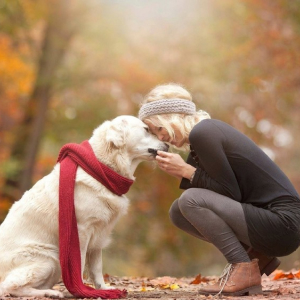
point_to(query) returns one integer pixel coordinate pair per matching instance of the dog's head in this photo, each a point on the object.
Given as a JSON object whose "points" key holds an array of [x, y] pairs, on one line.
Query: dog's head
{"points": [[126, 140], [131, 134]]}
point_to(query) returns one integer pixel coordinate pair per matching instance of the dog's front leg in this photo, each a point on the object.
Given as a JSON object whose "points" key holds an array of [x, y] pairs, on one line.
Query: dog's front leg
{"points": [[95, 269], [84, 238]]}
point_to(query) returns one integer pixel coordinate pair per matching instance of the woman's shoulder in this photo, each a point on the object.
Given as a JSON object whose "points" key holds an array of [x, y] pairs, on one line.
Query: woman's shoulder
{"points": [[208, 129], [208, 125]]}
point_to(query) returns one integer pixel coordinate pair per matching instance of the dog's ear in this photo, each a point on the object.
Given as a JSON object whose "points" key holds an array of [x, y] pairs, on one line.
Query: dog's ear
{"points": [[116, 133]]}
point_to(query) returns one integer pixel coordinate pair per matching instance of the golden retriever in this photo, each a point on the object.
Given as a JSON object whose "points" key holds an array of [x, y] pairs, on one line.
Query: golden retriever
{"points": [[29, 251]]}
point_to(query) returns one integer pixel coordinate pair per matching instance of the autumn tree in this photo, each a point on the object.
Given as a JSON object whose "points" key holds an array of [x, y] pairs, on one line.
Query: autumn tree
{"points": [[58, 29]]}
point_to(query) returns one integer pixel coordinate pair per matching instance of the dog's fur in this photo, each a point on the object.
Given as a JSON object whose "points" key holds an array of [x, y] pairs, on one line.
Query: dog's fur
{"points": [[29, 254]]}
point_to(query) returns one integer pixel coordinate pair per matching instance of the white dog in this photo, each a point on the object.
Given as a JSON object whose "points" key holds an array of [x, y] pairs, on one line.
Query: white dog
{"points": [[29, 251]]}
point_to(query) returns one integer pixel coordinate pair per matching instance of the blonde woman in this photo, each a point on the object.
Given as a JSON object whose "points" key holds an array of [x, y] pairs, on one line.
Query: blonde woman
{"points": [[235, 196]]}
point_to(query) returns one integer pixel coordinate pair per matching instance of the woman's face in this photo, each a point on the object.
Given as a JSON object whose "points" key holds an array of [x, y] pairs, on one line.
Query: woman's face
{"points": [[163, 135]]}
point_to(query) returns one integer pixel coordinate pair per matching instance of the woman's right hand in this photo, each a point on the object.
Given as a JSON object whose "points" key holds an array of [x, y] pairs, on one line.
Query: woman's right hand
{"points": [[173, 164]]}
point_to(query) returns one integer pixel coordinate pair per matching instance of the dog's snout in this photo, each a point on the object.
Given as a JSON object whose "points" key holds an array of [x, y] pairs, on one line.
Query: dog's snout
{"points": [[166, 147]]}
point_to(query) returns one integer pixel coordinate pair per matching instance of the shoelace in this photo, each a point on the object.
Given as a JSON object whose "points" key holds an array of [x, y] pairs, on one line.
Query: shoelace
{"points": [[224, 277]]}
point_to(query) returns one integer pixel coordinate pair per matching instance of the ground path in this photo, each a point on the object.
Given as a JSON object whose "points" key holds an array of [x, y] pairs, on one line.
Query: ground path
{"points": [[287, 287]]}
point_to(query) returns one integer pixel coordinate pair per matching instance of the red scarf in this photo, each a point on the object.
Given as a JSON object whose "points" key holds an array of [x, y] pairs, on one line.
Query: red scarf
{"points": [[70, 156]]}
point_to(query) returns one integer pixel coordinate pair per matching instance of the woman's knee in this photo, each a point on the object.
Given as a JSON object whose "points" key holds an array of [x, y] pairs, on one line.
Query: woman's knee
{"points": [[191, 198], [175, 213]]}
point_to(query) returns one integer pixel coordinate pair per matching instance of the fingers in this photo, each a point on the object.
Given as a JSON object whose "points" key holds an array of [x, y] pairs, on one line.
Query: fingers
{"points": [[170, 163], [160, 158], [162, 161], [164, 154], [165, 160], [161, 166], [164, 167]]}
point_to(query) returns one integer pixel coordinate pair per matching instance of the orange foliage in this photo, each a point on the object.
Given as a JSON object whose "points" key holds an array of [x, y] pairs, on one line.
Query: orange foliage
{"points": [[16, 77], [15, 72], [5, 204], [198, 279], [281, 275]]}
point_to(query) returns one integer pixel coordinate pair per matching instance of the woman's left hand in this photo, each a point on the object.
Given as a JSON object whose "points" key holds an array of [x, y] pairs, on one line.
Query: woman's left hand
{"points": [[174, 165]]}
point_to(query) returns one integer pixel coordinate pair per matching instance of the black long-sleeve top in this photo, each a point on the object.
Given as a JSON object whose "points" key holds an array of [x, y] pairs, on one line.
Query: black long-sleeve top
{"points": [[232, 165]]}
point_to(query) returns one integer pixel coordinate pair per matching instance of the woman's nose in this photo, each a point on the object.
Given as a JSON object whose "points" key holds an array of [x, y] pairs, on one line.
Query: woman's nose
{"points": [[161, 137]]}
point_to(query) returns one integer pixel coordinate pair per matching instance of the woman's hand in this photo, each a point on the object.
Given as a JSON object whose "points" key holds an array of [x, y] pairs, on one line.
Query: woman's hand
{"points": [[174, 165]]}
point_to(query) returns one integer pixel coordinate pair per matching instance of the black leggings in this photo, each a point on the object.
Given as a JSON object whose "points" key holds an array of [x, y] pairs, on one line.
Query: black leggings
{"points": [[214, 218]]}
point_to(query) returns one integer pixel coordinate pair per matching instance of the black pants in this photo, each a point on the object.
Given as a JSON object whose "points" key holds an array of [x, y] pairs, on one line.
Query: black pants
{"points": [[214, 218]]}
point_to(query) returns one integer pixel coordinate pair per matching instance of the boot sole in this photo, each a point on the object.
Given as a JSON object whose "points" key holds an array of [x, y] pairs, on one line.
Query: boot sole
{"points": [[253, 290], [271, 266]]}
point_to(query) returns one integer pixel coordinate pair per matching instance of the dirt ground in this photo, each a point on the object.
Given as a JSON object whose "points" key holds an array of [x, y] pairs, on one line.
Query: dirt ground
{"points": [[278, 286]]}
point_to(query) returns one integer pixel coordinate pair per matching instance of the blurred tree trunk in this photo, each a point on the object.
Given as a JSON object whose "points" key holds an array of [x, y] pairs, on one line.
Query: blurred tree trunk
{"points": [[58, 32]]}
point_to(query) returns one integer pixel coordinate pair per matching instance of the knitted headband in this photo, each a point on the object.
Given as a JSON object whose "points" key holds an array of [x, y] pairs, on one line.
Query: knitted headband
{"points": [[167, 106]]}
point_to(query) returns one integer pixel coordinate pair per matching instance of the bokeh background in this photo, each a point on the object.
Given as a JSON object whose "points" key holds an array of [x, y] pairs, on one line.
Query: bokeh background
{"points": [[68, 65]]}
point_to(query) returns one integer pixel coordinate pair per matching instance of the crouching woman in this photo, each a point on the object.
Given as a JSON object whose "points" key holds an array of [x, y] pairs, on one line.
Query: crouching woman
{"points": [[235, 196]]}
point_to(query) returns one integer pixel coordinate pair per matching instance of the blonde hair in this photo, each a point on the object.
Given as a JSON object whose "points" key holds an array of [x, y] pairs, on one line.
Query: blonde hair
{"points": [[183, 122]]}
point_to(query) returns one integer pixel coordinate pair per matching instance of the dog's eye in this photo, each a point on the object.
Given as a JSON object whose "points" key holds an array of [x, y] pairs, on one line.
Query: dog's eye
{"points": [[147, 129]]}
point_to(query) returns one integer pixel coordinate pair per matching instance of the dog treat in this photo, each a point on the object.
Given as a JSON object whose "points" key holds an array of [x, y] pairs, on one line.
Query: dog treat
{"points": [[153, 151]]}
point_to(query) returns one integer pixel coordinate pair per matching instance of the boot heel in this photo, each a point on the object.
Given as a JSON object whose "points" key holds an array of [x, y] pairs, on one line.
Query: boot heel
{"points": [[255, 290], [271, 266]]}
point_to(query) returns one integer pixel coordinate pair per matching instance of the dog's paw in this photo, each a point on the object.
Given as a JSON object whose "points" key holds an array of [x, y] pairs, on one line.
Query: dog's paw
{"points": [[67, 294], [54, 294], [107, 287], [104, 287]]}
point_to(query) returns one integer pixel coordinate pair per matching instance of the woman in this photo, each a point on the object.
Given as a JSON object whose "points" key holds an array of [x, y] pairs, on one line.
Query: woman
{"points": [[235, 196]]}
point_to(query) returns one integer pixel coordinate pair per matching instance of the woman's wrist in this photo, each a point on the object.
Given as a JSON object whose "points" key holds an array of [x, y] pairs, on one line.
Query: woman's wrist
{"points": [[192, 177], [189, 172]]}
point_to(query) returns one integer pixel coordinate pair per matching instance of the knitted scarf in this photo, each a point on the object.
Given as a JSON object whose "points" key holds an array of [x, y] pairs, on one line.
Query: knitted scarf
{"points": [[70, 156]]}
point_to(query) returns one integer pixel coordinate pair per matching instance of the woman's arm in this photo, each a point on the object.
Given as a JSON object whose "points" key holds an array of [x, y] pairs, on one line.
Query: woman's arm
{"points": [[215, 172]]}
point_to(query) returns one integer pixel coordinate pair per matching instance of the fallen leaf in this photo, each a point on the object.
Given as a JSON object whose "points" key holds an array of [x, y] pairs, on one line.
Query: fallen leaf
{"points": [[165, 286], [198, 279], [146, 288], [106, 277], [290, 276], [297, 275], [278, 275], [281, 275], [162, 280], [174, 286]]}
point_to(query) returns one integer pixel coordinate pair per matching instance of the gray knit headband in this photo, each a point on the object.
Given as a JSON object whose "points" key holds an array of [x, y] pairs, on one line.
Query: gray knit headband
{"points": [[167, 106]]}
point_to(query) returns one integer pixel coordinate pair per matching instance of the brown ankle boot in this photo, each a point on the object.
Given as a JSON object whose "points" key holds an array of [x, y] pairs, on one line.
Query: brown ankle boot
{"points": [[267, 264], [237, 279]]}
